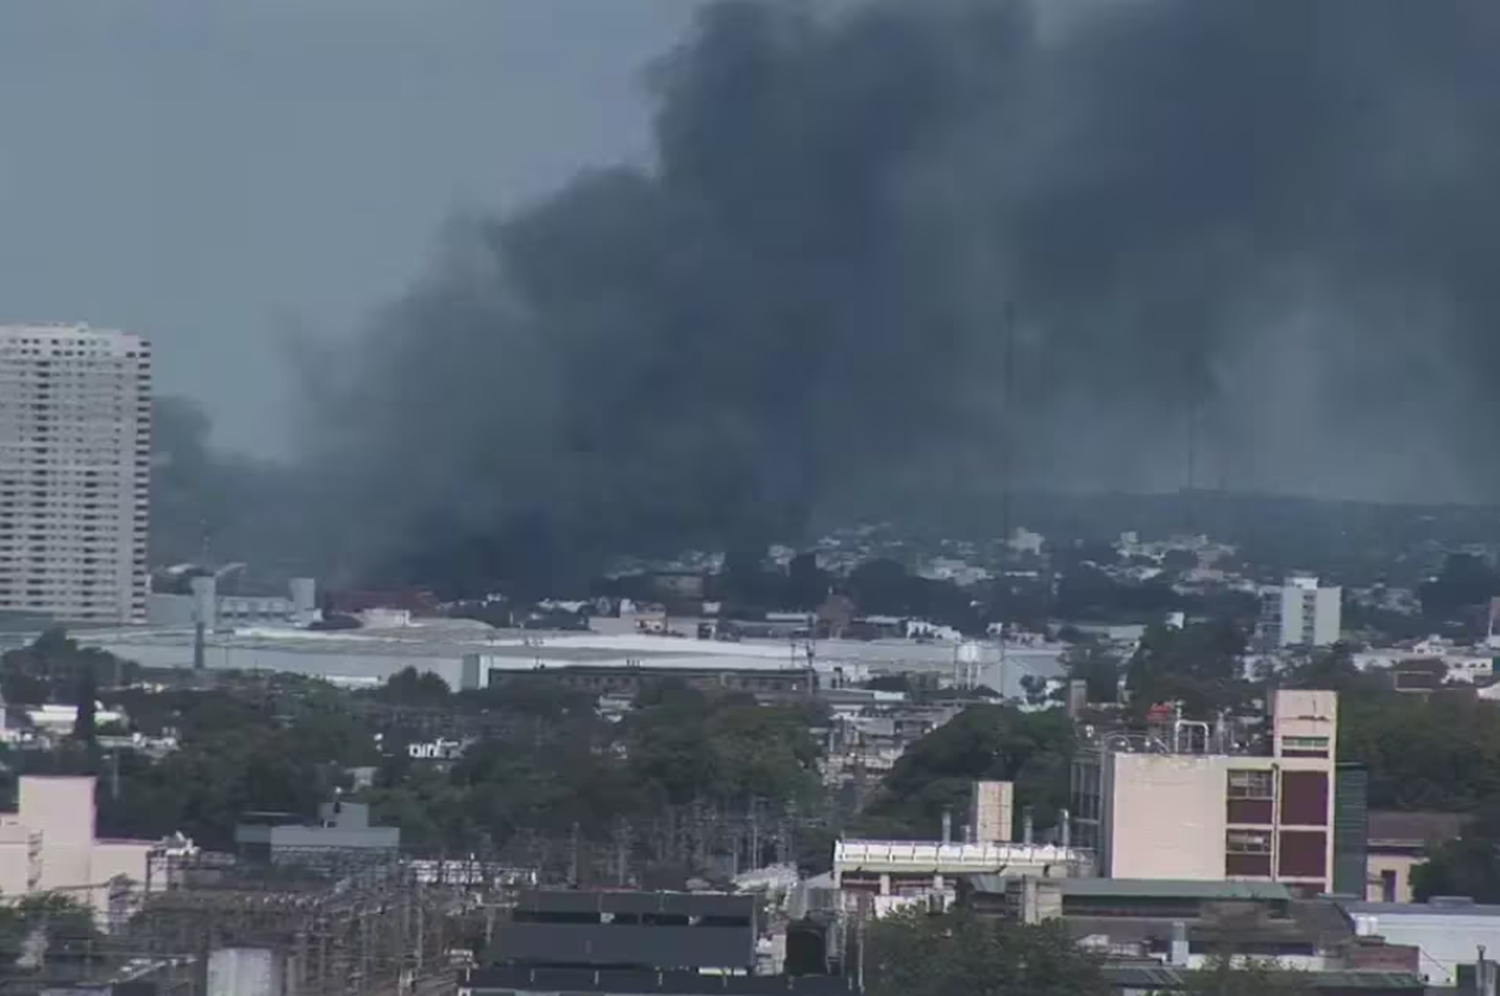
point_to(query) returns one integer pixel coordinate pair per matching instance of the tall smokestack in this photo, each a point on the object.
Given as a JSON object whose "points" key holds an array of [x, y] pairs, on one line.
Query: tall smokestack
{"points": [[1026, 825], [947, 824]]}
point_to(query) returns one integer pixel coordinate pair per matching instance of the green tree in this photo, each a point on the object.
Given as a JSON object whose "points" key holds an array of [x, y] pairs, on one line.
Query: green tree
{"points": [[1333, 668], [1468, 866], [412, 687], [84, 729], [1095, 664], [1440, 752], [1002, 742], [1198, 665], [63, 925], [1223, 976], [960, 954]]}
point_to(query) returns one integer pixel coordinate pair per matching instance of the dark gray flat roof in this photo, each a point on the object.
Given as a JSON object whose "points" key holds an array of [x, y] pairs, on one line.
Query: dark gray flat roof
{"points": [[1421, 909], [1171, 888]]}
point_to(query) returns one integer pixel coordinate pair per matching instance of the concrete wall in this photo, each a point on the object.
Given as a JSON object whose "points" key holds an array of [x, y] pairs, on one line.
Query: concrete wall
{"points": [[1300, 713], [1400, 865], [1168, 817], [332, 665], [17, 845], [55, 821], [245, 972], [990, 812], [1328, 623]]}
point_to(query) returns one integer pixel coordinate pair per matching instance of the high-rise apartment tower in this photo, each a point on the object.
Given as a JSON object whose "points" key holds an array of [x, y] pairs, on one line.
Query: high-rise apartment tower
{"points": [[1301, 613], [75, 455]]}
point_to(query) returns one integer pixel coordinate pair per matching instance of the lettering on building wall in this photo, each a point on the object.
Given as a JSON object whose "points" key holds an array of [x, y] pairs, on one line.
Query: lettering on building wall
{"points": [[436, 750]]}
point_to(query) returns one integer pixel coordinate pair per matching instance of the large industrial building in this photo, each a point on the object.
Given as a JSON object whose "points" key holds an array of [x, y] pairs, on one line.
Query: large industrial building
{"points": [[1185, 803], [75, 452], [468, 654]]}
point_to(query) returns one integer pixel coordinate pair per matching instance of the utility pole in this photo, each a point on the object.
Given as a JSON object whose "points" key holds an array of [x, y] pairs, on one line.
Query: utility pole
{"points": [[573, 844]]}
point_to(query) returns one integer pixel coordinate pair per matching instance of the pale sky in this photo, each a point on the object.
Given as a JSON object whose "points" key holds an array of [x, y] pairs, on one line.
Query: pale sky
{"points": [[215, 173]]}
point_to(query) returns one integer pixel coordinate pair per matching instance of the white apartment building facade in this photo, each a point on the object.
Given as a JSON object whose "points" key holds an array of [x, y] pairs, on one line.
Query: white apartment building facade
{"points": [[75, 454], [1302, 614]]}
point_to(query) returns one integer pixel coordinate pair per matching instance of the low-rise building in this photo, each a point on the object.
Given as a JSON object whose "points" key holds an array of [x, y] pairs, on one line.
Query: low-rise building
{"points": [[1399, 842], [341, 834], [896, 872], [1450, 934], [1190, 925], [50, 844], [203, 603]]}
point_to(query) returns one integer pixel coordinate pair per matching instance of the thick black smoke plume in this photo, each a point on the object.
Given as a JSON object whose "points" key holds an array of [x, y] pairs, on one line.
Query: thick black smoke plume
{"points": [[1260, 231]]}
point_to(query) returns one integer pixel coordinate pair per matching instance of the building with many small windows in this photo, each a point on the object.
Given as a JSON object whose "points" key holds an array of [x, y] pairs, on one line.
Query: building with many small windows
{"points": [[1186, 803], [1301, 613], [75, 453]]}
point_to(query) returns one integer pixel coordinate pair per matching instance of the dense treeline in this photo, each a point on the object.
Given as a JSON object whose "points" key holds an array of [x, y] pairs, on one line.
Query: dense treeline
{"points": [[548, 766], [1002, 742]]}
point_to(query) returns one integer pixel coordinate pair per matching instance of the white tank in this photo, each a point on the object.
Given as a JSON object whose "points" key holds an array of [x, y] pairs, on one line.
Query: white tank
{"points": [[244, 972], [304, 594]]}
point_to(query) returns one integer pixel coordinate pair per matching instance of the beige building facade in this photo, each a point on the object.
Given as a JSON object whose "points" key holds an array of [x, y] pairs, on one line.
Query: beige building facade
{"points": [[75, 454], [991, 807], [49, 845], [1156, 813]]}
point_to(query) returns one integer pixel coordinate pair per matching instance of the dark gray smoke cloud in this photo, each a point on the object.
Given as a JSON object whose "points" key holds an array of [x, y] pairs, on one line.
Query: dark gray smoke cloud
{"points": [[1264, 225]]}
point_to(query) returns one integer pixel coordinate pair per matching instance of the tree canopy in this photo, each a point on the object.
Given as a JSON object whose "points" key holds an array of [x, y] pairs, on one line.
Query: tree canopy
{"points": [[960, 954], [1468, 866], [1031, 749], [1198, 664]]}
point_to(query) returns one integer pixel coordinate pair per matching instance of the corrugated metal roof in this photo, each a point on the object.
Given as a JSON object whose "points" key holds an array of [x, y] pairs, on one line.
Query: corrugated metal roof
{"points": [[1414, 828], [1475, 910], [1355, 979], [1169, 977], [1165, 888], [1143, 976]]}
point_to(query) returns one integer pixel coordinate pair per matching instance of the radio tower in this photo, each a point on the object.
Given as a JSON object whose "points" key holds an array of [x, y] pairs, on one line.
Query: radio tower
{"points": [[1006, 387], [1007, 376]]}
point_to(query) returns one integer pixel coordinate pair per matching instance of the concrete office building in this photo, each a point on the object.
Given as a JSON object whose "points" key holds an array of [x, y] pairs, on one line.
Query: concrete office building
{"points": [[298, 607], [1301, 614], [75, 452], [1189, 808], [342, 832]]}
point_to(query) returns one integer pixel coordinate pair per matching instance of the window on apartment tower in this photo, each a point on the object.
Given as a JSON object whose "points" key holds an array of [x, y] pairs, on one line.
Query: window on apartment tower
{"points": [[1249, 795], [1247, 853], [1304, 746], [1250, 784]]}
